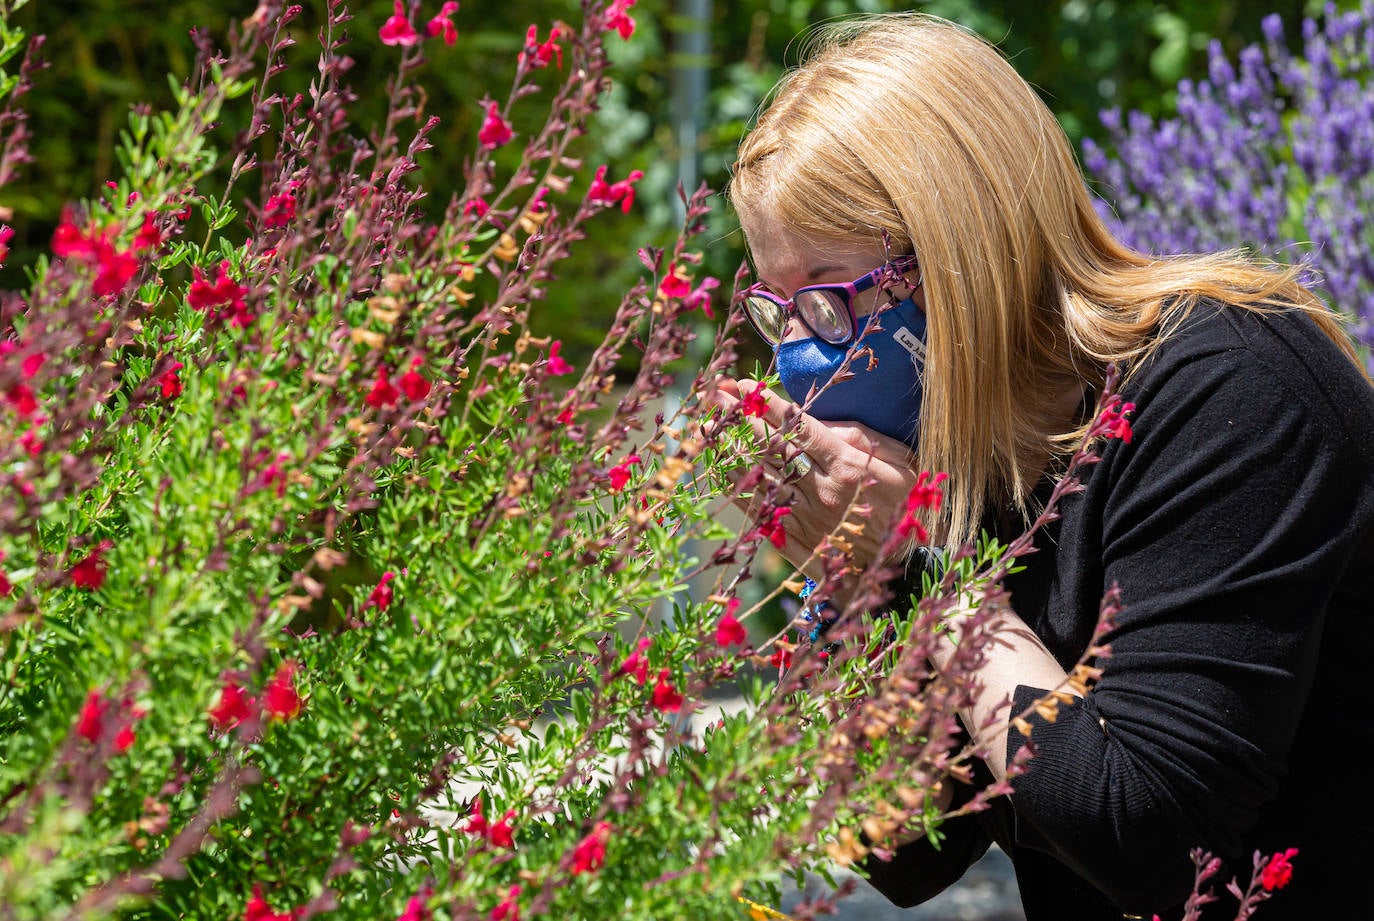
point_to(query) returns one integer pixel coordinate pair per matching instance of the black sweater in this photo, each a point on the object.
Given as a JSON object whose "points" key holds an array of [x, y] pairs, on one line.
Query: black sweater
{"points": [[1237, 523]]}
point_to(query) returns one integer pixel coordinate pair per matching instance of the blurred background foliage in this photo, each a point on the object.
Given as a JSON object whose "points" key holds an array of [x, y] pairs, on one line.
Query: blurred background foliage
{"points": [[686, 86]]}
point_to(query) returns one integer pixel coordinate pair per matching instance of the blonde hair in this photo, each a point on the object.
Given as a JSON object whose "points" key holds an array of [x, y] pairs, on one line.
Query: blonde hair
{"points": [[909, 125]]}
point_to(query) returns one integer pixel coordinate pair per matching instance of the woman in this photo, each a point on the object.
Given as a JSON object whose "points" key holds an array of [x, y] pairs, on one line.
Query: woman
{"points": [[906, 163]]}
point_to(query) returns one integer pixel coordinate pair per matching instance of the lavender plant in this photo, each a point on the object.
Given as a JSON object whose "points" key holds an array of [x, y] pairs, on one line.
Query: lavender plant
{"points": [[330, 586], [1273, 153]]}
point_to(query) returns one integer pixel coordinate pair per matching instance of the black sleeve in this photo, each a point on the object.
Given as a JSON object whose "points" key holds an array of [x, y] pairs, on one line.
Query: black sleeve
{"points": [[1227, 522]]}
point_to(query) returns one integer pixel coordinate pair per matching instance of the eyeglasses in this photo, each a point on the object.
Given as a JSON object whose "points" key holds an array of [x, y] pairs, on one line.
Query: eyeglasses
{"points": [[826, 310]]}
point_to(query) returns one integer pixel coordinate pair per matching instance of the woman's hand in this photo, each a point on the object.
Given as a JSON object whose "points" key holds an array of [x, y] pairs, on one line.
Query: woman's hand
{"points": [[851, 467]]}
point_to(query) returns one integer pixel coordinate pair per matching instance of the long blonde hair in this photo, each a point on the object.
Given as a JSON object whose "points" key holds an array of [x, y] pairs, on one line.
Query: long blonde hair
{"points": [[910, 125]]}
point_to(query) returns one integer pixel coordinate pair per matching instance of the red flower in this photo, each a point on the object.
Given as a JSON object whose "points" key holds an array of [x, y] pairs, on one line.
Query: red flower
{"points": [[606, 193], [69, 242], [22, 399], [31, 364], [416, 909], [495, 131], [415, 384], [666, 698], [91, 723], [279, 211], [442, 23], [90, 572], [397, 30], [590, 853], [674, 285], [223, 300], [148, 236], [701, 297], [781, 658], [280, 699], [476, 823], [7, 234], [257, 909], [507, 910], [754, 403], [1278, 872], [926, 493], [383, 393], [1113, 422], [170, 381], [272, 473], [502, 834], [114, 271], [232, 708], [31, 442], [539, 54], [476, 205], [773, 530], [6, 586], [565, 417], [619, 475], [635, 664], [618, 19], [558, 365], [382, 595], [730, 632]]}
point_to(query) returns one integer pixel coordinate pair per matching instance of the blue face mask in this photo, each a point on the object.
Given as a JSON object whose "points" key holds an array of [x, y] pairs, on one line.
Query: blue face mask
{"points": [[887, 398]]}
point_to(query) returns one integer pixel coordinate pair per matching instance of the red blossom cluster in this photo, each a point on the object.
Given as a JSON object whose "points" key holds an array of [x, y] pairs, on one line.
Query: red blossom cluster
{"points": [[773, 529], [1278, 871], [589, 855], [635, 665], [89, 573], [257, 909], [753, 403], [279, 211], [541, 54], [21, 398], [224, 299], [730, 632], [397, 29], [498, 834], [508, 909], [618, 18], [281, 700], [1112, 423], [495, 130], [384, 394], [169, 382], [99, 717], [925, 494], [114, 268], [619, 475], [666, 697], [608, 193], [677, 285]]}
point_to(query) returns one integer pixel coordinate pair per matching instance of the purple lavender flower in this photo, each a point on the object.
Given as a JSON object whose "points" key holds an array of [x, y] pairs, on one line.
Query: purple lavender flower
{"points": [[1274, 154]]}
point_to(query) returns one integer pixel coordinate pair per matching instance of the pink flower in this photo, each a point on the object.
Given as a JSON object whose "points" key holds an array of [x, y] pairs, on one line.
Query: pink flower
{"points": [[635, 665], [558, 365], [32, 364], [7, 234], [382, 595], [754, 403], [606, 193], [279, 211], [590, 853], [1113, 422], [31, 442], [273, 473], [148, 236], [1278, 872], [666, 698], [540, 54], [442, 23], [507, 910], [925, 494], [701, 297], [90, 572], [619, 475], [618, 19], [397, 30], [476, 205], [170, 381], [495, 130], [383, 392], [280, 699], [232, 707], [730, 632], [414, 384]]}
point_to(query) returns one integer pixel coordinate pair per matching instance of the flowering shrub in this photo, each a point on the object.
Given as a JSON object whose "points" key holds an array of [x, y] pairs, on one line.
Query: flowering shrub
{"points": [[1274, 153], [328, 586]]}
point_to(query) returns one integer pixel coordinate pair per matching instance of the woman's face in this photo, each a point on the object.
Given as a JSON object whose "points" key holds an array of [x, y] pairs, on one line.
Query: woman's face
{"points": [[785, 261]]}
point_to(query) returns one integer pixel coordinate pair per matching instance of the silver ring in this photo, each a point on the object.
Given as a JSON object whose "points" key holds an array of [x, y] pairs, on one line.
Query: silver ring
{"points": [[801, 463]]}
